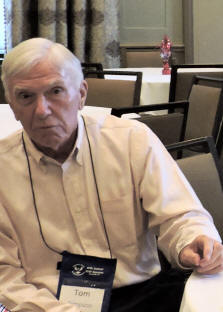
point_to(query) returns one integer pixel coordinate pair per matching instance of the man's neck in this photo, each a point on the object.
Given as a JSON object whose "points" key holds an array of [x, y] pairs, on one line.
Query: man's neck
{"points": [[60, 154]]}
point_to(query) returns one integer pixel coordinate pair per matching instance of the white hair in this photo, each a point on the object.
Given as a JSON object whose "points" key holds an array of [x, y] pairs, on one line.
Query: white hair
{"points": [[30, 52]]}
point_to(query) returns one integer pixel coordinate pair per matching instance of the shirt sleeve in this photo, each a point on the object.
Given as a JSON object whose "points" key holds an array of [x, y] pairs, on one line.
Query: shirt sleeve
{"points": [[16, 294], [176, 214]]}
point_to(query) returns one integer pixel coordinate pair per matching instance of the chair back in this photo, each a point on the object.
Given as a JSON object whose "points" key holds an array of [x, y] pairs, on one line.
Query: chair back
{"points": [[169, 127], [205, 176], [134, 58], [114, 93], [180, 81], [2, 92], [205, 108], [92, 67]]}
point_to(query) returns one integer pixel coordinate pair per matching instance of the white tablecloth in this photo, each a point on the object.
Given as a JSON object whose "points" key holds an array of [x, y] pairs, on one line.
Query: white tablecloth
{"points": [[203, 293], [155, 86], [200, 69], [8, 123]]}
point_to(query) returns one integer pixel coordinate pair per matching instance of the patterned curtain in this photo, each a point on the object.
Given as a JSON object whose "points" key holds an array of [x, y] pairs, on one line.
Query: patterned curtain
{"points": [[89, 28], [8, 24]]}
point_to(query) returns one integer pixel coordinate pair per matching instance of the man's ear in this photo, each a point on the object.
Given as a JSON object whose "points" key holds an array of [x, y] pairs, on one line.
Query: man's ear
{"points": [[83, 93]]}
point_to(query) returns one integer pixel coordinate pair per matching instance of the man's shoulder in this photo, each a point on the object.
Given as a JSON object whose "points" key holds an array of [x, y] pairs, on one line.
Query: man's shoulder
{"points": [[11, 142], [112, 122], [115, 132]]}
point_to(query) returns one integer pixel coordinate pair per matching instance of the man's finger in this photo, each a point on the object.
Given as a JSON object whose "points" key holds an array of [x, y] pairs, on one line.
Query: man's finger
{"points": [[216, 257], [204, 254], [208, 271], [207, 246], [189, 258]]}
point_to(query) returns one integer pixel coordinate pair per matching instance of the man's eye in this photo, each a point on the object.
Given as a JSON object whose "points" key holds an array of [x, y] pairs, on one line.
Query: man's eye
{"points": [[24, 96], [57, 90]]}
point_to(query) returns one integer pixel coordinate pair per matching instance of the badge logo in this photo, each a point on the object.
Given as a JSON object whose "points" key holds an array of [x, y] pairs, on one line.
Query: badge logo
{"points": [[78, 269]]}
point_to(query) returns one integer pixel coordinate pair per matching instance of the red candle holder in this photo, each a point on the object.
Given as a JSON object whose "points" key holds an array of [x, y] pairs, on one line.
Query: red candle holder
{"points": [[165, 53]]}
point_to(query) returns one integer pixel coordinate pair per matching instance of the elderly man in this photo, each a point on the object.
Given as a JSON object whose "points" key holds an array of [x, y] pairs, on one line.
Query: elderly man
{"points": [[82, 201]]}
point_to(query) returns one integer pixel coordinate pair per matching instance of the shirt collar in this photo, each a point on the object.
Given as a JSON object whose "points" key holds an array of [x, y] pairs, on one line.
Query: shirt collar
{"points": [[40, 158], [79, 140]]}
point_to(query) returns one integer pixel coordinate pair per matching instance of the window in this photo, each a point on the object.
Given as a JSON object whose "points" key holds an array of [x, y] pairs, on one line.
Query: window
{"points": [[2, 28]]}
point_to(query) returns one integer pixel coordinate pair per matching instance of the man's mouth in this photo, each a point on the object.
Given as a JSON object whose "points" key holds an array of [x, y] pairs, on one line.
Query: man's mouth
{"points": [[44, 127]]}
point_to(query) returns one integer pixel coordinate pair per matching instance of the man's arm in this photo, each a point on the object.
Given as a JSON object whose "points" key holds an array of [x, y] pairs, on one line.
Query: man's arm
{"points": [[175, 213], [15, 292], [204, 255]]}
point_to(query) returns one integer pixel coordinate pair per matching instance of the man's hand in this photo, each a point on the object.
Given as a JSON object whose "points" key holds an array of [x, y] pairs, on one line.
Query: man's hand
{"points": [[204, 255]]}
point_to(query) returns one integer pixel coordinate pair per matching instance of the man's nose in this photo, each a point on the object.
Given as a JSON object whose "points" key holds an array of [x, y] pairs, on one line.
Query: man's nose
{"points": [[42, 106]]}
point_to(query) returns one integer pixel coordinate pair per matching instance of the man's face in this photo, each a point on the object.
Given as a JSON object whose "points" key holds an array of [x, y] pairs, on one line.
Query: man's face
{"points": [[46, 103]]}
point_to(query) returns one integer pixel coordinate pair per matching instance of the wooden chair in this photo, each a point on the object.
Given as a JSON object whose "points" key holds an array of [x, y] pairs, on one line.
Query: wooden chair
{"points": [[114, 92], [170, 128], [205, 109], [205, 176], [90, 67], [180, 81], [136, 57]]}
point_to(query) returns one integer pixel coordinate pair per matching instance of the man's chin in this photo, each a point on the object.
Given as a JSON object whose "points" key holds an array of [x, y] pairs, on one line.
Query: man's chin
{"points": [[43, 145]]}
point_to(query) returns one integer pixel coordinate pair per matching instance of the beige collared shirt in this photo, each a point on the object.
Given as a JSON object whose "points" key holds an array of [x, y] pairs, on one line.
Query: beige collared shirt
{"points": [[141, 192]]}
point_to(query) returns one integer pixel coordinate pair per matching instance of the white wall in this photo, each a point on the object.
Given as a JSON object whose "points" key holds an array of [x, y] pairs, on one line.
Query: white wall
{"points": [[147, 21]]}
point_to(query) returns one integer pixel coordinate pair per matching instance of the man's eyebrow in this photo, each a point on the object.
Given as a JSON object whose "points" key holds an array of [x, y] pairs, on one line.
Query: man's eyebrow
{"points": [[21, 89], [52, 84], [56, 82]]}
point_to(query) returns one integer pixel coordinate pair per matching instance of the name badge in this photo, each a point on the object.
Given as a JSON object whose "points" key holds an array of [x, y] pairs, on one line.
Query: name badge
{"points": [[86, 281]]}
